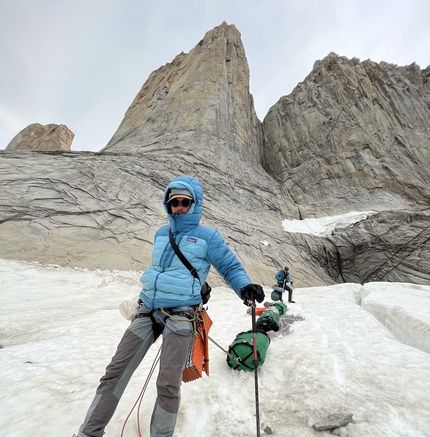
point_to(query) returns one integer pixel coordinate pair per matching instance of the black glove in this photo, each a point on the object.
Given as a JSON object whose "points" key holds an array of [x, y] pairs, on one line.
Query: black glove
{"points": [[251, 292]]}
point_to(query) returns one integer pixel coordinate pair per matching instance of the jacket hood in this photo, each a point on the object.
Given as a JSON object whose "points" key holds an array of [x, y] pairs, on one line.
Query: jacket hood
{"points": [[184, 222]]}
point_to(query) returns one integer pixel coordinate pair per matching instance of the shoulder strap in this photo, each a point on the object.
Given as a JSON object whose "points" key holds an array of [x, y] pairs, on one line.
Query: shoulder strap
{"points": [[181, 256]]}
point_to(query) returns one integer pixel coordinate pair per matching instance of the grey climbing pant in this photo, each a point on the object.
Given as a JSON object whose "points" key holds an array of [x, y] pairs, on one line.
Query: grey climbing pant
{"points": [[136, 341]]}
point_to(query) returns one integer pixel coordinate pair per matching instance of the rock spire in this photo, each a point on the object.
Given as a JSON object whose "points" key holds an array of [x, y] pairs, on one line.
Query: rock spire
{"points": [[199, 103]]}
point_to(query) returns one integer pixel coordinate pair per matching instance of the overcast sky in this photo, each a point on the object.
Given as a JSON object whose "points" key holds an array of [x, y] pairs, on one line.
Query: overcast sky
{"points": [[82, 62]]}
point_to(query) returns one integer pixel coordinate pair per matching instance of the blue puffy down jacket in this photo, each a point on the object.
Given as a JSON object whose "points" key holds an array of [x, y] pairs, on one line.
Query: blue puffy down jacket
{"points": [[167, 282]]}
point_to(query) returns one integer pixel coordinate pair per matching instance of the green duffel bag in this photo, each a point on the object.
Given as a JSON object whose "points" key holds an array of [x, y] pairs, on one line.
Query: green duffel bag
{"points": [[269, 320], [241, 351], [281, 307]]}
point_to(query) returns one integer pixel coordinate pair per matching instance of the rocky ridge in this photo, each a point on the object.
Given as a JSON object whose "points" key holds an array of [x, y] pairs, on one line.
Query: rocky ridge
{"points": [[352, 136], [351, 133]]}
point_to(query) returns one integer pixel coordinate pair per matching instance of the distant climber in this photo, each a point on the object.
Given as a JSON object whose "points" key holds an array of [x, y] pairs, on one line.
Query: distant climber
{"points": [[283, 280]]}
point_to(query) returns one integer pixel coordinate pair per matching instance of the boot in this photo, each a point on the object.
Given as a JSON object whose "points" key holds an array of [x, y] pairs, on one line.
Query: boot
{"points": [[290, 297]]}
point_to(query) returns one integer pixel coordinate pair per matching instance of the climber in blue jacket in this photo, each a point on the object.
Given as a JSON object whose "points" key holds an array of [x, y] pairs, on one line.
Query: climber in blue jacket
{"points": [[169, 298], [283, 278]]}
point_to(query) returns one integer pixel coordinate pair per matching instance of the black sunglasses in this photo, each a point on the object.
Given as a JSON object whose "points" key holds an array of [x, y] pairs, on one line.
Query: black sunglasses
{"points": [[184, 202]]}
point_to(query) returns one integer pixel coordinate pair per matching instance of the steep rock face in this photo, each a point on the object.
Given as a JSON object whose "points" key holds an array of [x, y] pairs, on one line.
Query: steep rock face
{"points": [[329, 147], [38, 137], [352, 133], [102, 211], [202, 124], [390, 246], [199, 104]]}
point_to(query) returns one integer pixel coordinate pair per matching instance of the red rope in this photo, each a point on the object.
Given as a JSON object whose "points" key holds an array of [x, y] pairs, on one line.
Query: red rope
{"points": [[142, 392]]}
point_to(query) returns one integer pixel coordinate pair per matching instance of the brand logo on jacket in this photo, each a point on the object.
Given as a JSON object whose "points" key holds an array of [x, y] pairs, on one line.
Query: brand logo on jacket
{"points": [[192, 240]]}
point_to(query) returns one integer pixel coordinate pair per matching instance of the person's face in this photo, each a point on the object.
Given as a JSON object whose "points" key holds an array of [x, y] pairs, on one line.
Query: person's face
{"points": [[180, 208], [285, 271]]}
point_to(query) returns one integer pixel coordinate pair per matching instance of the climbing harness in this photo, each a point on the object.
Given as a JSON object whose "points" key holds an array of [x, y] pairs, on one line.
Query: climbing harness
{"points": [[163, 314]]}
